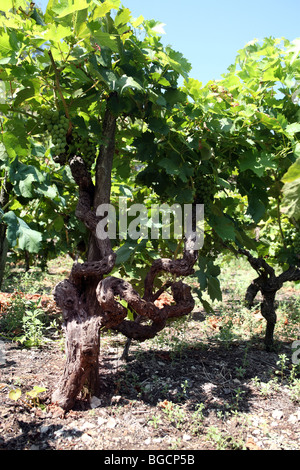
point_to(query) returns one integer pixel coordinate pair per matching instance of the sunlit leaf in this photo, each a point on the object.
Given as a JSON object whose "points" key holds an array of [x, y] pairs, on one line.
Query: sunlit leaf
{"points": [[291, 199], [15, 394], [293, 172]]}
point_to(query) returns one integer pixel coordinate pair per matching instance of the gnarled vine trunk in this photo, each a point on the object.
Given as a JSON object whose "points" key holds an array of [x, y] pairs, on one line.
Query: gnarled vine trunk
{"points": [[89, 301], [268, 284]]}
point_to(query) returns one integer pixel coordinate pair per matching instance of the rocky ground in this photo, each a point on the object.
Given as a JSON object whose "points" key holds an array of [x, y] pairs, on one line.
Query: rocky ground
{"points": [[198, 395], [205, 383]]}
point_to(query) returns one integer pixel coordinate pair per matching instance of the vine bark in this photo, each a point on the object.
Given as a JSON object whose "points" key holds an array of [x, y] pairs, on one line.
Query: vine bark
{"points": [[268, 284], [90, 302]]}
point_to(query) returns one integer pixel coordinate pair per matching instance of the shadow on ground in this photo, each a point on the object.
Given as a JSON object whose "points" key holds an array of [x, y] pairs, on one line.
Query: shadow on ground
{"points": [[203, 373]]}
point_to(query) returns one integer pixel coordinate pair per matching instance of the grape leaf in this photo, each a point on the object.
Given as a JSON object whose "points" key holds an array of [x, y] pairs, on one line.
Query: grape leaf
{"points": [[170, 165], [291, 191], [65, 7], [223, 227], [105, 8], [106, 39], [258, 162], [22, 176], [125, 252], [214, 289], [128, 82], [158, 125], [293, 172], [20, 235], [122, 18], [292, 129], [291, 199]]}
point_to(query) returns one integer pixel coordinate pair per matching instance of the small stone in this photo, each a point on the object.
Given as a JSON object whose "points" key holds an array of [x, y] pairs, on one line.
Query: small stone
{"points": [[116, 399], [95, 402], [85, 426], [111, 423], [277, 414], [44, 429], [293, 419], [86, 438], [147, 441], [59, 432], [101, 421], [251, 445], [186, 437], [208, 387]]}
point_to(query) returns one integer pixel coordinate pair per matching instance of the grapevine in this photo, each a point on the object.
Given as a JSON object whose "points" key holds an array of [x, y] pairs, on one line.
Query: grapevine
{"points": [[85, 147], [57, 126], [205, 190]]}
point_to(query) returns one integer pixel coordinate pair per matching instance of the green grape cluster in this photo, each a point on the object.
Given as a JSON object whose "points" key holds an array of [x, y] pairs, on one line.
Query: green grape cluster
{"points": [[204, 186], [297, 243], [57, 126], [86, 148]]}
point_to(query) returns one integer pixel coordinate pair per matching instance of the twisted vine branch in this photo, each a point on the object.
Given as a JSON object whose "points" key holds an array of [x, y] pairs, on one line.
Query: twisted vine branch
{"points": [[268, 283]]}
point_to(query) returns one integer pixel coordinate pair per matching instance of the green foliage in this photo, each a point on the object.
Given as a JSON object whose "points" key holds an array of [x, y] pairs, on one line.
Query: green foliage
{"points": [[11, 323], [31, 398], [24, 322], [249, 134], [33, 328], [232, 145], [291, 191], [19, 233]]}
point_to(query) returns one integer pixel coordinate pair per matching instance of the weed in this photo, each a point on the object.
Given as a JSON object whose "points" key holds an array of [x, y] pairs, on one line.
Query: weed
{"points": [[24, 321], [33, 328], [197, 419], [12, 322], [176, 444], [295, 391], [238, 398], [215, 436], [282, 364], [222, 442], [175, 414], [240, 372], [155, 421], [226, 333], [183, 393], [31, 399], [294, 372], [266, 388]]}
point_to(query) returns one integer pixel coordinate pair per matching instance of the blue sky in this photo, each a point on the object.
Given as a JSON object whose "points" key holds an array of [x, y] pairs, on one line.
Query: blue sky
{"points": [[209, 34]]}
